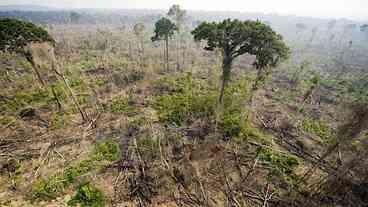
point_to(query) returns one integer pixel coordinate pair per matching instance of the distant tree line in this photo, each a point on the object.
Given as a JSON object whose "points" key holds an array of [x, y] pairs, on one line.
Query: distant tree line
{"points": [[82, 17]]}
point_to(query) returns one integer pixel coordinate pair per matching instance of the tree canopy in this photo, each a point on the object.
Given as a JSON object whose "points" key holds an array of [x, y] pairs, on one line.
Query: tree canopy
{"points": [[16, 34], [236, 38], [177, 14], [164, 29]]}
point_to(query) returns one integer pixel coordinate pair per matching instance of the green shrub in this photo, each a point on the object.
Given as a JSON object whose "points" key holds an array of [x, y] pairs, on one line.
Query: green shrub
{"points": [[75, 82], [232, 122], [32, 97], [185, 99], [4, 120], [48, 189], [173, 108], [249, 132], [88, 196], [72, 172], [318, 128], [121, 105], [281, 164], [174, 85], [106, 150], [236, 93]]}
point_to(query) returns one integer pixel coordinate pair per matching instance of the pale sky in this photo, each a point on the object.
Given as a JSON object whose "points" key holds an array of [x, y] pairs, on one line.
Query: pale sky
{"points": [[357, 9]]}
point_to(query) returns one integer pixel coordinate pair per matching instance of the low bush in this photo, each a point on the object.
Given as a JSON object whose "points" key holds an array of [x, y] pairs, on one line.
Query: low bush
{"points": [[73, 172], [107, 150], [121, 105], [282, 166], [49, 188], [185, 100], [318, 128], [88, 196]]}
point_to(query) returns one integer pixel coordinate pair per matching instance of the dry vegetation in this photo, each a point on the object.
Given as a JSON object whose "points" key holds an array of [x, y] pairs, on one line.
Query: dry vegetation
{"points": [[158, 137]]}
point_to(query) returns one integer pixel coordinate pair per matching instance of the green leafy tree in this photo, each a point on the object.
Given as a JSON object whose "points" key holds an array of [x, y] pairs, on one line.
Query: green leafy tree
{"points": [[235, 38], [16, 35], [164, 30]]}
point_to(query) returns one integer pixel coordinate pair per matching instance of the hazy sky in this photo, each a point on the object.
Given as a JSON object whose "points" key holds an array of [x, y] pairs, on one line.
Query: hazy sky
{"points": [[357, 9]]}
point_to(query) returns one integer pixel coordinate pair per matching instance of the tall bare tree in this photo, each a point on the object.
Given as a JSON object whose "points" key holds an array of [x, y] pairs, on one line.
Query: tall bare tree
{"points": [[178, 16]]}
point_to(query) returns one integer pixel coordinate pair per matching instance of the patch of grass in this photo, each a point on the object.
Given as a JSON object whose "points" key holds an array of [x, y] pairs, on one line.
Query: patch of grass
{"points": [[58, 120], [84, 98], [33, 97], [318, 128], [4, 120], [281, 163], [122, 79], [73, 172], [53, 186], [248, 132], [149, 147], [88, 196], [121, 105], [75, 82], [48, 189], [172, 85], [236, 93], [101, 82]]}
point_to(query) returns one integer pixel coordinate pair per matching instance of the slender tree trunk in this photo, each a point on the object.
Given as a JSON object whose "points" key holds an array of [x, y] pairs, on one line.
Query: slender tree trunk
{"points": [[178, 54], [73, 98], [40, 79], [226, 70], [164, 57], [184, 54], [167, 53], [142, 50], [260, 80], [35, 68], [56, 98], [130, 49]]}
